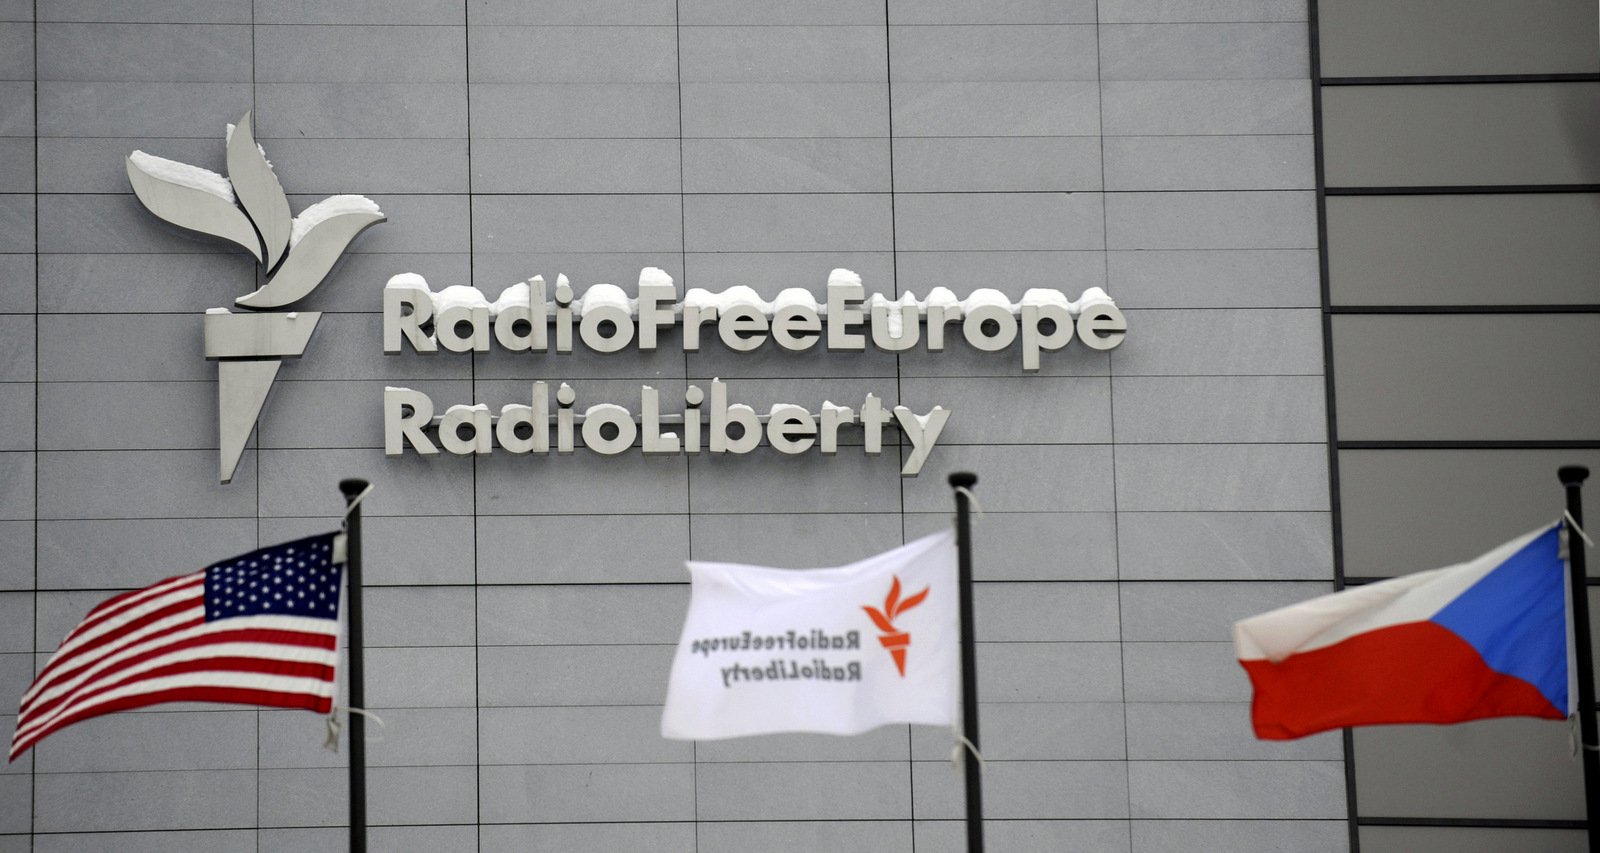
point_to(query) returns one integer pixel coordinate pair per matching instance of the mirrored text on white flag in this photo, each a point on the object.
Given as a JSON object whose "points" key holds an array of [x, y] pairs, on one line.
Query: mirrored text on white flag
{"points": [[838, 651]]}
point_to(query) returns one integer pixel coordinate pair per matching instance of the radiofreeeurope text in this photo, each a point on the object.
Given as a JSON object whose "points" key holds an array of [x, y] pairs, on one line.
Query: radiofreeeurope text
{"points": [[605, 320]]}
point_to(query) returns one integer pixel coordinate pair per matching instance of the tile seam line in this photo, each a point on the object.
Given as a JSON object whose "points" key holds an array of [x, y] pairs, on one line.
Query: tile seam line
{"points": [[697, 139], [1116, 506], [477, 644], [33, 776], [254, 447]]}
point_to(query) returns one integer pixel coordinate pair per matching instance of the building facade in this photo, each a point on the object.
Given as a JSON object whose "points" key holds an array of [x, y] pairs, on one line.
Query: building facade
{"points": [[1354, 243], [1458, 195]]}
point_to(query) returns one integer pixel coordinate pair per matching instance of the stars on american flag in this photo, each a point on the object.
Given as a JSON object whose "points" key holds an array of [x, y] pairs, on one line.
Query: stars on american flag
{"points": [[293, 579]]}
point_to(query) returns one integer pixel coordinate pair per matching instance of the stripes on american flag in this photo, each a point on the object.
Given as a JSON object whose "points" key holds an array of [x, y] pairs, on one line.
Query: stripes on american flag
{"points": [[258, 629]]}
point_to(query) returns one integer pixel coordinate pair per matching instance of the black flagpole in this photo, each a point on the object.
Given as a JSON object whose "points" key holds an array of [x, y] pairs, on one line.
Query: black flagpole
{"points": [[1572, 476], [963, 481], [358, 725]]}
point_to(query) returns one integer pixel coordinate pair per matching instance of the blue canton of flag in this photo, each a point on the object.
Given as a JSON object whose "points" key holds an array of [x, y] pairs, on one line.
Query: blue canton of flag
{"points": [[293, 579]]}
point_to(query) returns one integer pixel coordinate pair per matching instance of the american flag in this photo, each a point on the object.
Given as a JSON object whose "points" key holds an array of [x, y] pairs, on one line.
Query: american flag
{"points": [[259, 629]]}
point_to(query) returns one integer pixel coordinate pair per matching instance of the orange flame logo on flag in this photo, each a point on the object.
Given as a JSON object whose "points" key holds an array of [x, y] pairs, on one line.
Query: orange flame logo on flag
{"points": [[894, 639]]}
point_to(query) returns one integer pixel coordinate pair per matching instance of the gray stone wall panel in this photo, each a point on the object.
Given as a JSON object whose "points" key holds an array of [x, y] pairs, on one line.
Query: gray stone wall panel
{"points": [[994, 52], [1301, 790], [574, 110], [989, 108], [1038, 731], [582, 735], [1028, 836], [16, 630], [1191, 545], [1507, 768], [95, 553], [1215, 278], [1205, 107], [543, 548], [161, 11], [884, 836], [17, 416], [138, 109], [219, 840], [138, 484], [802, 791], [1264, 409], [18, 221], [575, 166], [781, 54], [666, 837], [1384, 839], [586, 793], [23, 271], [145, 799], [1022, 790], [1183, 672], [16, 108], [1181, 51], [992, 164], [561, 615], [918, 12], [1210, 11], [403, 12], [165, 741], [17, 537], [17, 165], [1222, 477], [777, 165], [157, 53], [1202, 163], [1150, 836], [1034, 546], [342, 54], [575, 54], [128, 284]]}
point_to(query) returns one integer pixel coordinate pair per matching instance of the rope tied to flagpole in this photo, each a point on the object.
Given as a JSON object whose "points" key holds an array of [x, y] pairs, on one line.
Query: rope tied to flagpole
{"points": [[341, 543], [341, 555], [955, 750], [1573, 739], [1572, 524], [331, 742], [974, 499], [344, 521]]}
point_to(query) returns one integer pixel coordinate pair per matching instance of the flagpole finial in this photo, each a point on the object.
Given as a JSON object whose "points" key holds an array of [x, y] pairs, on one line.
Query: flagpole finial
{"points": [[966, 479], [352, 486], [1572, 475]]}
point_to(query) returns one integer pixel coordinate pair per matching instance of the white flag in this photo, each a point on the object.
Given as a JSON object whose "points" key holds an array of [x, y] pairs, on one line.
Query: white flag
{"points": [[838, 651]]}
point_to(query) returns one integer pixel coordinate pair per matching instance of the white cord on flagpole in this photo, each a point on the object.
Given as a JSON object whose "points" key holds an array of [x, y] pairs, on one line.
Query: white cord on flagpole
{"points": [[341, 556], [1573, 524], [350, 507], [1573, 739], [974, 499], [331, 743], [955, 750]]}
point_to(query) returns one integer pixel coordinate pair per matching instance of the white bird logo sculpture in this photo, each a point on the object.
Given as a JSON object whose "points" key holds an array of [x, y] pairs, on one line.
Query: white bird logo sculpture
{"points": [[248, 208]]}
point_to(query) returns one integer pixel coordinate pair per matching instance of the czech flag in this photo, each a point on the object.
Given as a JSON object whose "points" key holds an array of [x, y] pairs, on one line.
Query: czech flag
{"points": [[1485, 638]]}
